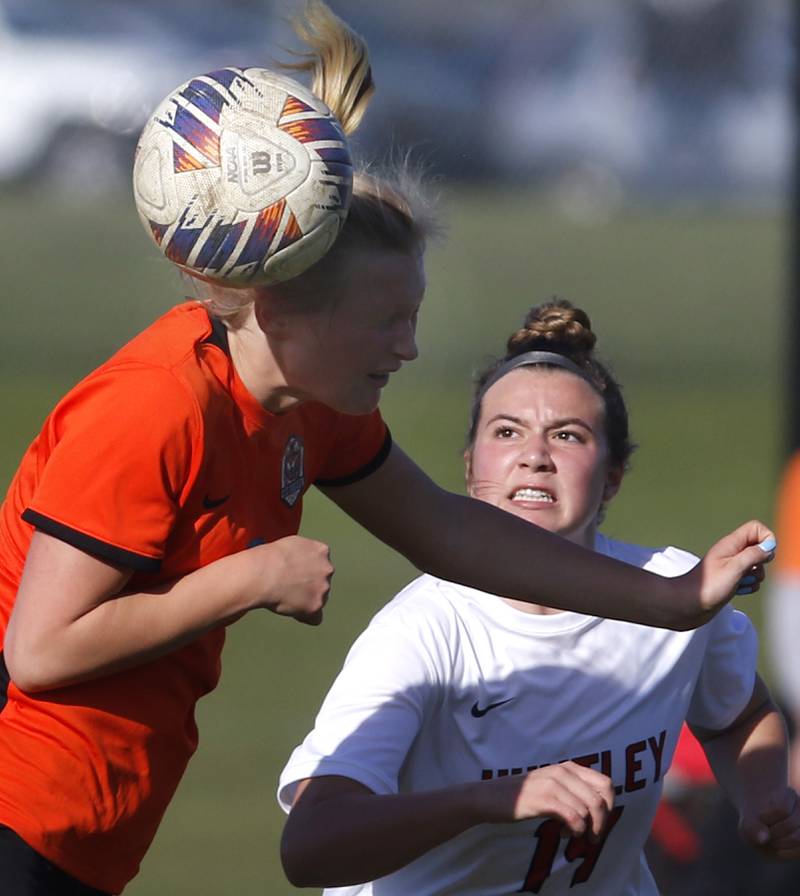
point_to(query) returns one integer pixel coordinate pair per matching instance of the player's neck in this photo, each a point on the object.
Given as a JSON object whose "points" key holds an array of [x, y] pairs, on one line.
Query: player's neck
{"points": [[534, 609], [259, 370]]}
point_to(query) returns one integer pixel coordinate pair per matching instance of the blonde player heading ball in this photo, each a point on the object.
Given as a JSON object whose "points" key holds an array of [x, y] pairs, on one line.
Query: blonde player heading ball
{"points": [[457, 712], [162, 499]]}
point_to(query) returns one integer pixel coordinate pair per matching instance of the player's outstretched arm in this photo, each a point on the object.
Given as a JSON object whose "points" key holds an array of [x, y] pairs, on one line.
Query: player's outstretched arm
{"points": [[750, 761], [469, 541], [73, 621], [340, 833]]}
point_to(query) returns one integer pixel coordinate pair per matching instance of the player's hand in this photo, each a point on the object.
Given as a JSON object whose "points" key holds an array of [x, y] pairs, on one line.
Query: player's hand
{"points": [[292, 577], [774, 830], [734, 565], [580, 797]]}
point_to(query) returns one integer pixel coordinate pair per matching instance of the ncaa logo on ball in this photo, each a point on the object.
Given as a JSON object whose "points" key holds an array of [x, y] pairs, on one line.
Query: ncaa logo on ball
{"points": [[255, 170]]}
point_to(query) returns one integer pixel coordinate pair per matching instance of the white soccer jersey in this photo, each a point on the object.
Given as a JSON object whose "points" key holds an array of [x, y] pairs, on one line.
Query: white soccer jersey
{"points": [[449, 685]]}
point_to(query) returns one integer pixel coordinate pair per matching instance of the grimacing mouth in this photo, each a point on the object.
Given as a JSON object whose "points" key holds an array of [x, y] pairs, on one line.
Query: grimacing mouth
{"points": [[533, 494]]}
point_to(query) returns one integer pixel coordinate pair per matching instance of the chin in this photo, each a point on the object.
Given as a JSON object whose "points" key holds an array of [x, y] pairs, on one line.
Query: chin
{"points": [[538, 517], [355, 407]]}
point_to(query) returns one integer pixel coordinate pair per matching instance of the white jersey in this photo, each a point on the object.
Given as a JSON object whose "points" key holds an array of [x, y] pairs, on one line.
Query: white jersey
{"points": [[449, 685]]}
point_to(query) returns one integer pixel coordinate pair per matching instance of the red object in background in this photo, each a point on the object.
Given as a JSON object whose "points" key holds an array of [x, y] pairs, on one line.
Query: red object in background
{"points": [[690, 761], [671, 829]]}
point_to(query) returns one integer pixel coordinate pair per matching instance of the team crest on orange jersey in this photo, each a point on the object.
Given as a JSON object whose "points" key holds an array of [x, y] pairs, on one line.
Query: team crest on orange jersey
{"points": [[292, 480]]}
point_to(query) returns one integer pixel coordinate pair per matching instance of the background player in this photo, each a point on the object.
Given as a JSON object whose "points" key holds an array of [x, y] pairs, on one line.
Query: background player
{"points": [[456, 710], [783, 606]]}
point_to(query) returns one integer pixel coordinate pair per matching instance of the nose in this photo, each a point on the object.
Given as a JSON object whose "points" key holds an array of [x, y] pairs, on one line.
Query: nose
{"points": [[536, 455], [405, 344]]}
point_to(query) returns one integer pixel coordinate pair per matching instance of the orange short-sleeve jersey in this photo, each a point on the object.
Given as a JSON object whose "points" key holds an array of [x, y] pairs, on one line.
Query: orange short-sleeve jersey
{"points": [[787, 524], [160, 461]]}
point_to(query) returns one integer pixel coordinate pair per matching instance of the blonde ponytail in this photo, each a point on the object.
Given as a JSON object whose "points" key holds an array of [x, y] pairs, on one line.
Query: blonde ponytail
{"points": [[338, 61]]}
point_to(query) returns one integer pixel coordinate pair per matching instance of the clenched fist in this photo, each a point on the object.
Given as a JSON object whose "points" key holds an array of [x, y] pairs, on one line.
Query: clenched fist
{"points": [[290, 576]]}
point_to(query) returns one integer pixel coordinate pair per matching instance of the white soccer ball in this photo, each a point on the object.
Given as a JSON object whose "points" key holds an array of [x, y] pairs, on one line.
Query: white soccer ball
{"points": [[243, 176]]}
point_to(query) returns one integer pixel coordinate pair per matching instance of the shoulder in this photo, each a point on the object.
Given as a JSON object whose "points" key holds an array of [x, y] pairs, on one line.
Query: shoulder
{"points": [[158, 373], [170, 340], [666, 561], [423, 619], [141, 397], [421, 603], [130, 401]]}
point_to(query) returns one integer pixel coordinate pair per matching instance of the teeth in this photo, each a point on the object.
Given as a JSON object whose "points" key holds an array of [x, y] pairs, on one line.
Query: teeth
{"points": [[532, 494]]}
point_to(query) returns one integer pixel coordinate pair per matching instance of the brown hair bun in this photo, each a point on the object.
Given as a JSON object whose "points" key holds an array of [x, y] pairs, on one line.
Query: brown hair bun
{"points": [[555, 326]]}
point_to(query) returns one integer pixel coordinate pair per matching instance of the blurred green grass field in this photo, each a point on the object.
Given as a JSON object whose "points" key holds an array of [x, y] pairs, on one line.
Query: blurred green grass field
{"points": [[688, 306]]}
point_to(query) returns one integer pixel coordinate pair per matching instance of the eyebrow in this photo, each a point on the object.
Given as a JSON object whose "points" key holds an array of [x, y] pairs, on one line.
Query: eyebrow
{"points": [[555, 424], [510, 417]]}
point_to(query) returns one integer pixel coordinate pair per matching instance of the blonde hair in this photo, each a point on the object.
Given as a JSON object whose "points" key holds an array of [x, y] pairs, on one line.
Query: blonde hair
{"points": [[338, 60], [389, 210]]}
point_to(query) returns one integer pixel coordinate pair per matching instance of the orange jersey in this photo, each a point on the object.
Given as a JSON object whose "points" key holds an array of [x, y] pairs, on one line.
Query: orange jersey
{"points": [[787, 524], [162, 462]]}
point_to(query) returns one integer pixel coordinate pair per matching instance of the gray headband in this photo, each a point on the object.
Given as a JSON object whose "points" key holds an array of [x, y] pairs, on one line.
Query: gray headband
{"points": [[528, 359]]}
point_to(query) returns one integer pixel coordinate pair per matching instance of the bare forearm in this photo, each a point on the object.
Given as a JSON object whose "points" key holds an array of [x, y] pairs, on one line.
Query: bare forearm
{"points": [[750, 759], [128, 629], [484, 551], [73, 618], [476, 544], [360, 837], [340, 833], [468, 541]]}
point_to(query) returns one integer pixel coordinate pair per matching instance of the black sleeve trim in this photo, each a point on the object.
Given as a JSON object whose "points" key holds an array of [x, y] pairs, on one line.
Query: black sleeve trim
{"points": [[219, 335], [101, 549], [5, 679], [365, 471]]}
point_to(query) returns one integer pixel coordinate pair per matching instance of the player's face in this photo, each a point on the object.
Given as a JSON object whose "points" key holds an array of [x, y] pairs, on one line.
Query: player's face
{"points": [[541, 452], [343, 354]]}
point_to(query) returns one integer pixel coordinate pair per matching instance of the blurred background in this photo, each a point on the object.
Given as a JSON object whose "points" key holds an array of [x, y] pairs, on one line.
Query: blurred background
{"points": [[634, 156]]}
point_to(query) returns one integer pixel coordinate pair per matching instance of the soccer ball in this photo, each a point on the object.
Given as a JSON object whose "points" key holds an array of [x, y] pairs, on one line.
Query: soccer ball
{"points": [[243, 176]]}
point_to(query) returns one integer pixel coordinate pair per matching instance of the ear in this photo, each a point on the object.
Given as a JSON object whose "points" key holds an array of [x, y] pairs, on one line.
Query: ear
{"points": [[613, 482], [270, 317]]}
